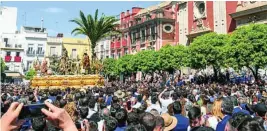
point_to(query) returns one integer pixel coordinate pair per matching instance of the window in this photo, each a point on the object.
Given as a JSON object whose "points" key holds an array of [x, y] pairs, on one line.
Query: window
{"points": [[40, 49], [74, 54], [153, 29], [52, 51], [153, 32], [17, 54], [133, 37], [201, 8], [125, 51], [8, 53], [143, 32], [29, 64], [6, 41], [125, 35], [168, 28], [30, 49]]}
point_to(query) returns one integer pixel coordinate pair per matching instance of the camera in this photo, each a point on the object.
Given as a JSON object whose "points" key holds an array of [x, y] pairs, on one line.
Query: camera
{"points": [[31, 111]]}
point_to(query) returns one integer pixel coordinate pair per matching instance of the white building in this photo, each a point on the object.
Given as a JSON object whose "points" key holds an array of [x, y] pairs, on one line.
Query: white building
{"points": [[12, 51], [102, 48], [35, 45], [8, 19], [53, 48]]}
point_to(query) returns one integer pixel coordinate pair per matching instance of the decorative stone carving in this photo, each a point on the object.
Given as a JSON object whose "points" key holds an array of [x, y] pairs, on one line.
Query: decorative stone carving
{"points": [[254, 18], [168, 28], [199, 10], [200, 27]]}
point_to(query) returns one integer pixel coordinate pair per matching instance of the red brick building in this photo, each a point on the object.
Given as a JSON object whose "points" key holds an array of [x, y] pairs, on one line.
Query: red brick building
{"points": [[171, 22]]}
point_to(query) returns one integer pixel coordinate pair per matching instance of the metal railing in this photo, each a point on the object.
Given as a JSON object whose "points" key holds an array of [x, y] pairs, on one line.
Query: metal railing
{"points": [[40, 53], [18, 46], [8, 45], [30, 52]]}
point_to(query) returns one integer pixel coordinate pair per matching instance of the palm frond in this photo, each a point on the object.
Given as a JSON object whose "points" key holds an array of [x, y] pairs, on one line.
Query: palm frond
{"points": [[94, 27]]}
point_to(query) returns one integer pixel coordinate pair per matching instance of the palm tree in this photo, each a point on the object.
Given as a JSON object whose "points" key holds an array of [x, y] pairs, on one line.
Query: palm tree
{"points": [[94, 28]]}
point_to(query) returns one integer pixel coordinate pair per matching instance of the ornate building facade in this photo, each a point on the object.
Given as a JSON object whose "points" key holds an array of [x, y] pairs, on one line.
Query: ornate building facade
{"points": [[250, 12], [195, 18], [171, 22]]}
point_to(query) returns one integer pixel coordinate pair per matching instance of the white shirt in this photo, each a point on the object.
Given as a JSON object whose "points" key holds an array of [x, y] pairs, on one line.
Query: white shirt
{"points": [[165, 104], [100, 125], [154, 106], [137, 105], [213, 122], [90, 113]]}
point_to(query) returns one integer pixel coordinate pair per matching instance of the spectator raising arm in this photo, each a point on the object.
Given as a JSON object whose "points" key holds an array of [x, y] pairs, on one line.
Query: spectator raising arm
{"points": [[36, 94], [8, 120], [160, 95], [59, 117]]}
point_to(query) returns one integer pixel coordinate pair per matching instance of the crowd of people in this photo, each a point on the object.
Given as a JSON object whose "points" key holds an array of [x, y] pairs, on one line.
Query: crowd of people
{"points": [[148, 105]]}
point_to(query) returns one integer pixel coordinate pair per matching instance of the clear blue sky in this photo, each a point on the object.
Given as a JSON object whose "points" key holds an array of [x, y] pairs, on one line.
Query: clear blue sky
{"points": [[56, 15]]}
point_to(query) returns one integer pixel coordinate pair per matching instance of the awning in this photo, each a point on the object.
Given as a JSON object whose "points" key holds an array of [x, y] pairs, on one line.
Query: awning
{"points": [[14, 74]]}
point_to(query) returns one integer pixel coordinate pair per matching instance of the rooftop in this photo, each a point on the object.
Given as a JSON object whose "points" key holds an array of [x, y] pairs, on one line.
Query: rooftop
{"points": [[154, 7], [75, 41]]}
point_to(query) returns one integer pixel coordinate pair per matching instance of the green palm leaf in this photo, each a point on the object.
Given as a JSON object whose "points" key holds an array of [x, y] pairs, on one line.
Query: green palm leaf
{"points": [[94, 28]]}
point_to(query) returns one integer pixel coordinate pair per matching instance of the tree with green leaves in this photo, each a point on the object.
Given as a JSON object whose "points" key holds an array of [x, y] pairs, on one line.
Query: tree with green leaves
{"points": [[30, 74], [146, 62], [94, 28], [207, 50], [3, 67], [127, 65], [180, 58], [248, 48], [109, 67], [166, 58]]}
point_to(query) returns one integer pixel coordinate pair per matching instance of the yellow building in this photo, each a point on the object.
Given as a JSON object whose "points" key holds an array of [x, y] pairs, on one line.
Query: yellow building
{"points": [[76, 47]]}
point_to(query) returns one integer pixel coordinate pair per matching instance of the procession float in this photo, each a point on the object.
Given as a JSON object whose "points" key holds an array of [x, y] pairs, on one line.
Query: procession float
{"points": [[64, 72]]}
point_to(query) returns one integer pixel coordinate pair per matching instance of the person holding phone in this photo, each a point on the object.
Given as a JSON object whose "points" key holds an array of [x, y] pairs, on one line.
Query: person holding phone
{"points": [[57, 116]]}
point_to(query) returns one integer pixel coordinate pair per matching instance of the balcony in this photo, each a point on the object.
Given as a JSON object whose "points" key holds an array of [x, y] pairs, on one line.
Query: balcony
{"points": [[8, 58], [8, 45], [117, 44], [18, 46], [40, 53], [17, 59], [112, 45], [30, 52], [124, 42]]}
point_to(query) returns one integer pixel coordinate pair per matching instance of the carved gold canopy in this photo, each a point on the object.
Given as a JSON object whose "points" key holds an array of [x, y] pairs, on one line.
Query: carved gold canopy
{"points": [[63, 81]]}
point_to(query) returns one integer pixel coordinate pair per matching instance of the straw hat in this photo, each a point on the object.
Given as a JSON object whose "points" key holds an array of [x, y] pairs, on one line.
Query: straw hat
{"points": [[119, 94], [169, 121], [264, 94]]}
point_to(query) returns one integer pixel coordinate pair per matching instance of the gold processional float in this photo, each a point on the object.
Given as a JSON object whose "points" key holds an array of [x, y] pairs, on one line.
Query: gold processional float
{"points": [[64, 81], [68, 73]]}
